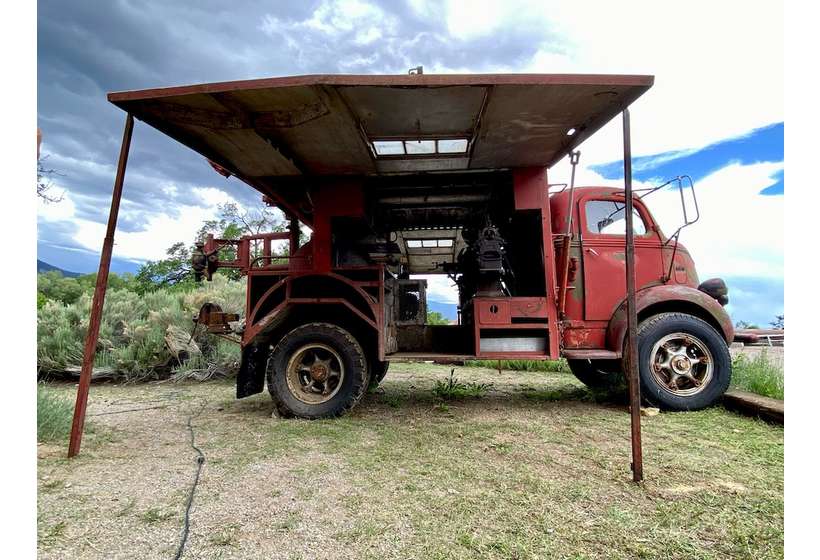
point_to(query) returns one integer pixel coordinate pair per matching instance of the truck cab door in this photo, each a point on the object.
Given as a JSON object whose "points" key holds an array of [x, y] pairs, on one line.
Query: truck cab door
{"points": [[603, 227]]}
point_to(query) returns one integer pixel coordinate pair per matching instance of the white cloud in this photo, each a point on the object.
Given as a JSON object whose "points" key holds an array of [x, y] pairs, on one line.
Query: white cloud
{"points": [[56, 211], [161, 230], [367, 21], [740, 232], [439, 288], [718, 66]]}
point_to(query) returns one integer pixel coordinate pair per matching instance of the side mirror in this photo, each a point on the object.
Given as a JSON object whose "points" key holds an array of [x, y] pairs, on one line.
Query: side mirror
{"points": [[604, 223]]}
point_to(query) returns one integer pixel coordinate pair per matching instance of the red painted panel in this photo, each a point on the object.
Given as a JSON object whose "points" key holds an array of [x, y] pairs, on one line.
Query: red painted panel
{"points": [[529, 186], [496, 312]]}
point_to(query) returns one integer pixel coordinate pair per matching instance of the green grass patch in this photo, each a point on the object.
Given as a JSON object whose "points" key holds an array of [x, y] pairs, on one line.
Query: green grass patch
{"points": [[453, 389], [557, 366], [757, 375], [155, 515], [54, 415]]}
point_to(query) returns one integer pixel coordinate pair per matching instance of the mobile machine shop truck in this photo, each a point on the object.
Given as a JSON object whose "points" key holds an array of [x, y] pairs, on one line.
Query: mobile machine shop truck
{"points": [[398, 176]]}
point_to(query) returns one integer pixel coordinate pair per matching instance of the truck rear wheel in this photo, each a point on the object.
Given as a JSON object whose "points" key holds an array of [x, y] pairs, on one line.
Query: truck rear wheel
{"points": [[317, 370], [684, 362], [598, 374], [378, 369]]}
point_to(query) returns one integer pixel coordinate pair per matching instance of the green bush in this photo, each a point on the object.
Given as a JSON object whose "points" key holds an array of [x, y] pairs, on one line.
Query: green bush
{"points": [[757, 375], [132, 333], [54, 415]]}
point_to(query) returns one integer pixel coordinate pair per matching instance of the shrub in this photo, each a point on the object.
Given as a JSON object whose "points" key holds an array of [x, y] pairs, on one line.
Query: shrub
{"points": [[54, 415], [758, 375], [132, 332]]}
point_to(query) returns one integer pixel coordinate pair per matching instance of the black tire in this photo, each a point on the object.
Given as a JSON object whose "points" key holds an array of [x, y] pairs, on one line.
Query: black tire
{"points": [[701, 337], [598, 374], [378, 370], [325, 341]]}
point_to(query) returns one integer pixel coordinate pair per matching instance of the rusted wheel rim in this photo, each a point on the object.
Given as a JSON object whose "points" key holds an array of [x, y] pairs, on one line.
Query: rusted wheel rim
{"points": [[315, 373], [681, 364]]}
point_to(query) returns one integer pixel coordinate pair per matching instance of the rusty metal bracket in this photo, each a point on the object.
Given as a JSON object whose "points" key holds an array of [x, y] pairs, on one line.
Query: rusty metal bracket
{"points": [[574, 158]]}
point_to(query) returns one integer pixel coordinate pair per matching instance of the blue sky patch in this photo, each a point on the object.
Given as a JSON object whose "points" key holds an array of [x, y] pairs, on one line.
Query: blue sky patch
{"points": [[759, 145]]}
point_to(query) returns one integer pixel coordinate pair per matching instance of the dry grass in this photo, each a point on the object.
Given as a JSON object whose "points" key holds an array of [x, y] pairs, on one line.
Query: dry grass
{"points": [[532, 469]]}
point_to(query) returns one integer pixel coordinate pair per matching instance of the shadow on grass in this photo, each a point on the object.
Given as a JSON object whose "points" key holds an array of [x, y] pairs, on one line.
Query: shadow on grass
{"points": [[409, 397]]}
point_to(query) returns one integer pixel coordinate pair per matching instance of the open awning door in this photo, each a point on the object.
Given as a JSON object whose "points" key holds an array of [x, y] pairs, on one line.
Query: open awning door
{"points": [[274, 132]]}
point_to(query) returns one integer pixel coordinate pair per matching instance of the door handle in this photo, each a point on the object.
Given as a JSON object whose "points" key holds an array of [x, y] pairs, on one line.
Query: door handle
{"points": [[592, 251]]}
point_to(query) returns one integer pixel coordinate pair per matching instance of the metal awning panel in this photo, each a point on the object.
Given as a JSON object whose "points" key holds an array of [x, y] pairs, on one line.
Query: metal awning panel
{"points": [[322, 125]]}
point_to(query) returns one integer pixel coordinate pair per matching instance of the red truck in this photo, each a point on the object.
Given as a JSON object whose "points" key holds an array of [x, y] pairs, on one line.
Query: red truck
{"points": [[401, 176]]}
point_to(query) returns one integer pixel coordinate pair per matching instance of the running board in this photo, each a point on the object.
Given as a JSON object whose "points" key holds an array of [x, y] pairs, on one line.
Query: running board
{"points": [[591, 355]]}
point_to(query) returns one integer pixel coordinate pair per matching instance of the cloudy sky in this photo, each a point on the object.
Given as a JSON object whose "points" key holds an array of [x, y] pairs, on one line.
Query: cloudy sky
{"points": [[715, 112]]}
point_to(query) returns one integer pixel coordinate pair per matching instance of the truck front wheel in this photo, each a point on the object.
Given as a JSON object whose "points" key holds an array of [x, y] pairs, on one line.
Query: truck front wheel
{"points": [[317, 370], [598, 374], [684, 362]]}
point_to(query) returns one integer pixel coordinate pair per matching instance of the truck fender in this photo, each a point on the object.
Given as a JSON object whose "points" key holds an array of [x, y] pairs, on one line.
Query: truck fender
{"points": [[339, 291], [668, 298]]}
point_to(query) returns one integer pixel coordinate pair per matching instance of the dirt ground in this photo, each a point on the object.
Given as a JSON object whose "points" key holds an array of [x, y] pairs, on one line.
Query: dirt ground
{"points": [[533, 469]]}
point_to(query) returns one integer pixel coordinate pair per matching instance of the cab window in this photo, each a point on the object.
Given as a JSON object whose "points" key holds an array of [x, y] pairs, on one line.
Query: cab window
{"points": [[607, 217]]}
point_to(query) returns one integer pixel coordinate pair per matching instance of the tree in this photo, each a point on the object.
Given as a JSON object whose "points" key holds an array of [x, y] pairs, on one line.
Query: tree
{"points": [[778, 322], [231, 222], [436, 318], [746, 325], [53, 286], [44, 184], [170, 271]]}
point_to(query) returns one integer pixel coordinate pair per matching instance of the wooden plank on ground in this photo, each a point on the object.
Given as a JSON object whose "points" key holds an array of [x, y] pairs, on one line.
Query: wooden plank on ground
{"points": [[754, 405]]}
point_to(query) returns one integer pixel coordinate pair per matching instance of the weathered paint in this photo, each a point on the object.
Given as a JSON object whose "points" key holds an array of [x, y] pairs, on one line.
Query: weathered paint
{"points": [[670, 297]]}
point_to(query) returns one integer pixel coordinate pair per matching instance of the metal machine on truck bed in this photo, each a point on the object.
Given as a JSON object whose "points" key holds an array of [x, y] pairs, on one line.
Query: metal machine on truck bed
{"points": [[398, 176]]}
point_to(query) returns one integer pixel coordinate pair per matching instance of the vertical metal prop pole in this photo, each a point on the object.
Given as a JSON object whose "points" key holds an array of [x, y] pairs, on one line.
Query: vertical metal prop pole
{"points": [[631, 312], [99, 296], [294, 236]]}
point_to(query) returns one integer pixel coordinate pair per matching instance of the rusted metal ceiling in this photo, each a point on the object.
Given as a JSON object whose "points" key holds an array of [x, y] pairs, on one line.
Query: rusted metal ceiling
{"points": [[277, 129]]}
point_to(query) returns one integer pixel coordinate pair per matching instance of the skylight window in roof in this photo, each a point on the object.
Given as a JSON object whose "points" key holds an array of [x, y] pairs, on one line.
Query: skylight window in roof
{"points": [[420, 148], [457, 146], [428, 243], [388, 147]]}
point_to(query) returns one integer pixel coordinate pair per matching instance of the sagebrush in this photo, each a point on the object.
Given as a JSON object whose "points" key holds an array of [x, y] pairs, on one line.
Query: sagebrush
{"points": [[54, 415], [132, 333]]}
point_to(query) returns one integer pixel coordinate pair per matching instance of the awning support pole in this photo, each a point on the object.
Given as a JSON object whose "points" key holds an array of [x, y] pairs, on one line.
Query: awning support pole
{"points": [[99, 296], [631, 312]]}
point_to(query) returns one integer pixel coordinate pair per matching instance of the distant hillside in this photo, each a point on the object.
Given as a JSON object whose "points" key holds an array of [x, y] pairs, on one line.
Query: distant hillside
{"points": [[43, 266]]}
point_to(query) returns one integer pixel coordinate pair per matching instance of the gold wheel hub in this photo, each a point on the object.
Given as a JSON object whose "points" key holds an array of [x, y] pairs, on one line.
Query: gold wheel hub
{"points": [[318, 372]]}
